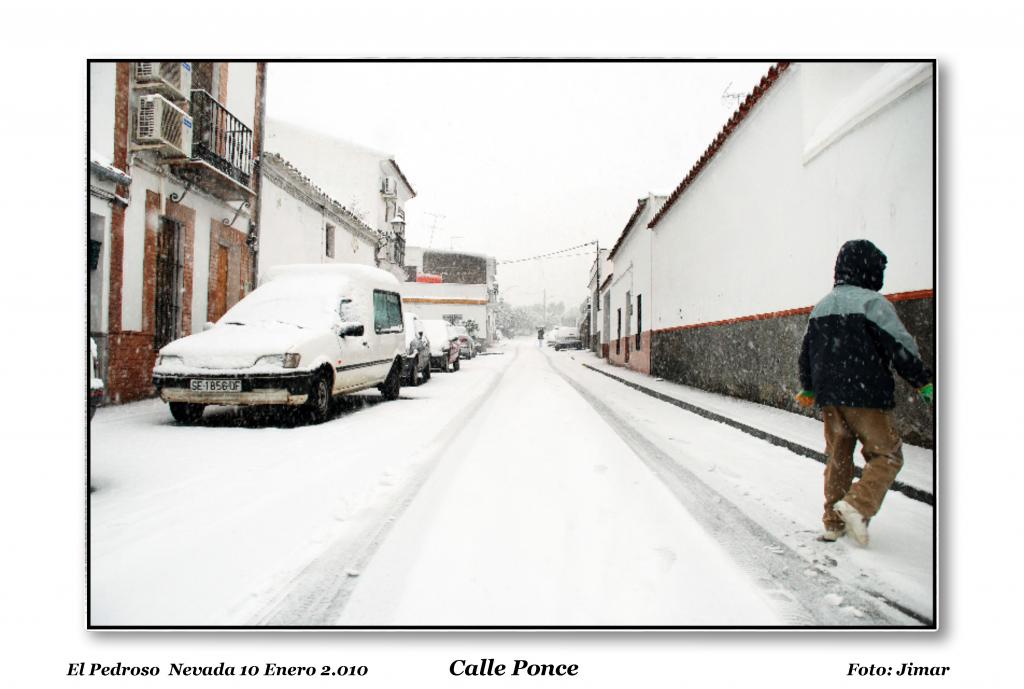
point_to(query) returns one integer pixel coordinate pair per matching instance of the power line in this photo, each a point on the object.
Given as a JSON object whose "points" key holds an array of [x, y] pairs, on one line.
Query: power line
{"points": [[551, 253]]}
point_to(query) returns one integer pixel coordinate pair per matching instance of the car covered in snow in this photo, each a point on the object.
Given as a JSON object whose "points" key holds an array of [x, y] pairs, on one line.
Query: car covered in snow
{"points": [[306, 334], [444, 345], [416, 364], [567, 338], [467, 345]]}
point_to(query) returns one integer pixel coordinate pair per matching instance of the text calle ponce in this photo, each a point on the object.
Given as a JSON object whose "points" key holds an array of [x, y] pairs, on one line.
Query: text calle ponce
{"points": [[487, 667]]}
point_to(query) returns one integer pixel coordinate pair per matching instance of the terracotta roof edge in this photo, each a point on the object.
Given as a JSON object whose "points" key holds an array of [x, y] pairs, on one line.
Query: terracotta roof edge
{"points": [[740, 114]]}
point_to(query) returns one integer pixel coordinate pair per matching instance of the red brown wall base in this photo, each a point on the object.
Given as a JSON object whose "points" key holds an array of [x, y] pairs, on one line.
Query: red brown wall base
{"points": [[639, 359], [757, 360], [130, 372]]}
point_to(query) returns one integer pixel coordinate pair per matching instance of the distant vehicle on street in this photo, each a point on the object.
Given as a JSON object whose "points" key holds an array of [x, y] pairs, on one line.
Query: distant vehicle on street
{"points": [[416, 364], [306, 334], [567, 338], [444, 345], [96, 386], [467, 345]]}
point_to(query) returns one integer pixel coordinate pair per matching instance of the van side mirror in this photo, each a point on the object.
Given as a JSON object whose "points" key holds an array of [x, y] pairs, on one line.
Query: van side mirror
{"points": [[350, 330]]}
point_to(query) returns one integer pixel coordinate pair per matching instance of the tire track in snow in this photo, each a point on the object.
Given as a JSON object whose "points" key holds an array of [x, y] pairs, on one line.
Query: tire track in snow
{"points": [[802, 591], [317, 593]]}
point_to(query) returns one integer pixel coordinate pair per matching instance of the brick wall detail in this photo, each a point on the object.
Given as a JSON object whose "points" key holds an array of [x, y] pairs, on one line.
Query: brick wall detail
{"points": [[152, 222], [131, 353], [129, 376]]}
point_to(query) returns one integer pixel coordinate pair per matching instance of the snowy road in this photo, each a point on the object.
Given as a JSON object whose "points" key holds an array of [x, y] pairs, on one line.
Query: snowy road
{"points": [[524, 490]]}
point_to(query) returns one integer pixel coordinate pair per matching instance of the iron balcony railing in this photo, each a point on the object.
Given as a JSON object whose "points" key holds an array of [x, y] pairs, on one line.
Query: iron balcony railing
{"points": [[220, 138]]}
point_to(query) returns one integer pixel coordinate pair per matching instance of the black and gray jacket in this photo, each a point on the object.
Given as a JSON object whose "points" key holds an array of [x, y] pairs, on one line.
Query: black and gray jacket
{"points": [[854, 336]]}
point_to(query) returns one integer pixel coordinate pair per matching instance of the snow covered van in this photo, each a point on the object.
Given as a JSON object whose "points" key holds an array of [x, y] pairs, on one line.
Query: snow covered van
{"points": [[307, 333]]}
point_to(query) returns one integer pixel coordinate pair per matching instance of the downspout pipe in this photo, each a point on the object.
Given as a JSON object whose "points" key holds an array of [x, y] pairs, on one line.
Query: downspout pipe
{"points": [[259, 129]]}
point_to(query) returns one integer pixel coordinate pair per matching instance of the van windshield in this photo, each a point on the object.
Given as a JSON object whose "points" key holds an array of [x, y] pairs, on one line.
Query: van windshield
{"points": [[290, 305]]}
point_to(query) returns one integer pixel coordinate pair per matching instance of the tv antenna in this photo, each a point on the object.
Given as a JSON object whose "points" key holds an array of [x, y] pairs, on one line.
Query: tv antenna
{"points": [[435, 219]]}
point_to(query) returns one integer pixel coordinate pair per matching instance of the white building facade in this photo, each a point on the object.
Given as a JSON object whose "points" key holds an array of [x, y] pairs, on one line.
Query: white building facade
{"points": [[369, 184], [455, 303], [171, 224], [820, 153], [631, 290], [300, 223]]}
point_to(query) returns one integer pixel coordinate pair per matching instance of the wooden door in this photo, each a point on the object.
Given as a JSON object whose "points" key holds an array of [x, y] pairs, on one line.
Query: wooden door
{"points": [[219, 302]]}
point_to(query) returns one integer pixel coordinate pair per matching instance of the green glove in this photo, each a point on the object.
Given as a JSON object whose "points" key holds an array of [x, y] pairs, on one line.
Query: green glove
{"points": [[805, 399], [927, 393]]}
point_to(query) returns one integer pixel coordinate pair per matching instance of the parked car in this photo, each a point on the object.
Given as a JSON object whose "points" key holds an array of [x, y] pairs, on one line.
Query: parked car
{"points": [[444, 345], [551, 335], [306, 334], [467, 346], [416, 364], [95, 382], [568, 338]]}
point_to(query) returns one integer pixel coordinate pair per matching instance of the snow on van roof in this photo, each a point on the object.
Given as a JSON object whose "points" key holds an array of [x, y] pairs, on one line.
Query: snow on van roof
{"points": [[349, 272]]}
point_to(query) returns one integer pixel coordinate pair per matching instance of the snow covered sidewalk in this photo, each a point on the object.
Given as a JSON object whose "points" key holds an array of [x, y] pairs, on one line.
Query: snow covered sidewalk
{"points": [[806, 432], [777, 489]]}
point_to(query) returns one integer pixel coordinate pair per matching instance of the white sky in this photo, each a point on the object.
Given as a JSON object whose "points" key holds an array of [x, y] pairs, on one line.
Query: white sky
{"points": [[521, 158]]}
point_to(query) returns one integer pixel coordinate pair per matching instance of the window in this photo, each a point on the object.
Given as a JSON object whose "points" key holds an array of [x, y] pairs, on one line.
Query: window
{"points": [[329, 241], [387, 312], [639, 319]]}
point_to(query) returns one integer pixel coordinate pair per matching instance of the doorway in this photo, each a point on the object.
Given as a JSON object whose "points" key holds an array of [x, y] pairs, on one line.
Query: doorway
{"points": [[168, 284]]}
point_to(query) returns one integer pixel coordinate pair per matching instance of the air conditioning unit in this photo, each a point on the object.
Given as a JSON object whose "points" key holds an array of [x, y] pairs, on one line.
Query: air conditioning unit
{"points": [[172, 79], [389, 187], [161, 124]]}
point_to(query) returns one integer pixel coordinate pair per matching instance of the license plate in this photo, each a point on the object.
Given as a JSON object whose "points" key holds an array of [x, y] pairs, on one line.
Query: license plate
{"points": [[200, 385]]}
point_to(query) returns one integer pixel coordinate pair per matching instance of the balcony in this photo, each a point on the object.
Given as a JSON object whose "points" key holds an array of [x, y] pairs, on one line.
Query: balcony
{"points": [[222, 150]]}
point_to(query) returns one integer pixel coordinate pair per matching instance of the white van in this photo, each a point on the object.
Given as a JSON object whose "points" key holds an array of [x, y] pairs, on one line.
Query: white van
{"points": [[307, 333]]}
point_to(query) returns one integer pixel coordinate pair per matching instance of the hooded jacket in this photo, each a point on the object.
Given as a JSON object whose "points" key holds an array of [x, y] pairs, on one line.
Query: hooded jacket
{"points": [[854, 337]]}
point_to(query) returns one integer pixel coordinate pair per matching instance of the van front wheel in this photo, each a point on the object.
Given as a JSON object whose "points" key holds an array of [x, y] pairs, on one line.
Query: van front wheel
{"points": [[392, 385], [319, 402]]}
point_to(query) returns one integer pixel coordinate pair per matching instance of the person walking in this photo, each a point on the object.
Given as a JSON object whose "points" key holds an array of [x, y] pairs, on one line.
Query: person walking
{"points": [[540, 337], [853, 339]]}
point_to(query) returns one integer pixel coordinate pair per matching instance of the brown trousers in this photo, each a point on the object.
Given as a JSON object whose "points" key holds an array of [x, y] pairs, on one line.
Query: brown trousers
{"points": [[881, 447]]}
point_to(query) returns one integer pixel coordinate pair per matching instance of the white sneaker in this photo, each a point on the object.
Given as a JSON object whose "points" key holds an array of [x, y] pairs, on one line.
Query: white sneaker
{"points": [[832, 535], [855, 522]]}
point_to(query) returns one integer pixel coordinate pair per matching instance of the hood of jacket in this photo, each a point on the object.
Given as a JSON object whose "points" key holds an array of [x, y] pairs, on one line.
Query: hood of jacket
{"points": [[861, 264]]}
